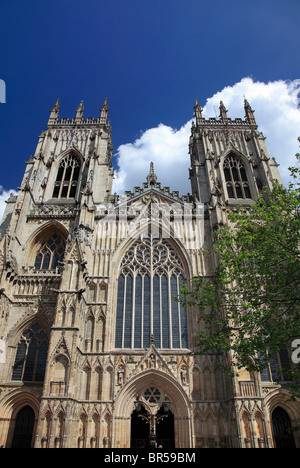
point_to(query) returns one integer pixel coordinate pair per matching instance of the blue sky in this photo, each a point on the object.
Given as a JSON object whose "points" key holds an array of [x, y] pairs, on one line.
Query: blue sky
{"points": [[150, 59]]}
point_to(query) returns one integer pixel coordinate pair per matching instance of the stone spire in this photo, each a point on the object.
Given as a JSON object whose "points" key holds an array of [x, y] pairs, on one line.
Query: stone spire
{"points": [[151, 178], [79, 112], [198, 112], [249, 113], [54, 112], [104, 112]]}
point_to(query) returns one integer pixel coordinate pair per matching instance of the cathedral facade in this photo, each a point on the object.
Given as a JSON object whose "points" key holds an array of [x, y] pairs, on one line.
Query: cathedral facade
{"points": [[95, 350]]}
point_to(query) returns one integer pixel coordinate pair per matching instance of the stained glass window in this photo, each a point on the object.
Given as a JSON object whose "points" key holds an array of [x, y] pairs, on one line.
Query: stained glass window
{"points": [[67, 177], [50, 253], [236, 178], [31, 357], [151, 274], [277, 368]]}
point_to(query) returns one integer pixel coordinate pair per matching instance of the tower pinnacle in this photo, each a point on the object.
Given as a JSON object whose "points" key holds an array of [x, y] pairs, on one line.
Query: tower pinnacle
{"points": [[198, 112], [151, 178], [249, 112], [54, 112], [104, 112], [79, 112]]}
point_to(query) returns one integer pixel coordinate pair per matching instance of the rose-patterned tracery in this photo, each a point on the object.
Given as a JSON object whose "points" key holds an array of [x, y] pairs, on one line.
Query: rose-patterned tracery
{"points": [[150, 276]]}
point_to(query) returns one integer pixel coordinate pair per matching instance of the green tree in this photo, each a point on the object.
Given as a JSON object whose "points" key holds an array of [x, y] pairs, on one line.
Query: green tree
{"points": [[250, 305]]}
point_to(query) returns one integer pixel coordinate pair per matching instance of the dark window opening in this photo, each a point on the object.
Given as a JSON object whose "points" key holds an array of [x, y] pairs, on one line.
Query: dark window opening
{"points": [[236, 178], [50, 253], [31, 356], [67, 177]]}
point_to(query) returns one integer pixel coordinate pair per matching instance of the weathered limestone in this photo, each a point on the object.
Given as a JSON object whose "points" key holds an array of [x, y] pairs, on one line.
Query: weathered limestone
{"points": [[87, 394]]}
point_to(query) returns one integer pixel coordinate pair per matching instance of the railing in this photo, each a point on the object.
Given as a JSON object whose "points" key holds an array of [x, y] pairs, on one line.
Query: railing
{"points": [[53, 211], [74, 121], [228, 121], [37, 282], [247, 388]]}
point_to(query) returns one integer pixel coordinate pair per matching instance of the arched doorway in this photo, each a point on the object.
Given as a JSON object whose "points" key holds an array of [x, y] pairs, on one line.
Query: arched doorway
{"points": [[154, 389], [282, 429], [23, 430]]}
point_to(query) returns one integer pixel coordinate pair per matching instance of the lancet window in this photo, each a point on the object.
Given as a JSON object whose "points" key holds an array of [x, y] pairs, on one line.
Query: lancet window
{"points": [[67, 177], [51, 252], [31, 357], [236, 178], [150, 276]]}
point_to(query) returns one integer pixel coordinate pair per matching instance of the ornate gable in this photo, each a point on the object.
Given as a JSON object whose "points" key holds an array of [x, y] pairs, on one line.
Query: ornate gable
{"points": [[153, 189], [152, 359]]}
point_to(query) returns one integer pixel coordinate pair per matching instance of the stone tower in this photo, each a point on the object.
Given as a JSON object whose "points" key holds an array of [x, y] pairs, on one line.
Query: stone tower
{"points": [[93, 343]]}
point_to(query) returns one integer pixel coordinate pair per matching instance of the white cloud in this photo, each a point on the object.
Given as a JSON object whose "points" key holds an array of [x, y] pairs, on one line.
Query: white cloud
{"points": [[166, 148], [277, 115]]}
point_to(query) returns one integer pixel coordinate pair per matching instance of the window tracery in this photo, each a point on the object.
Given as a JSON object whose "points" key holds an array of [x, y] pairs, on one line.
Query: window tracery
{"points": [[277, 368], [151, 274], [236, 178], [51, 252], [152, 395], [67, 177], [31, 357]]}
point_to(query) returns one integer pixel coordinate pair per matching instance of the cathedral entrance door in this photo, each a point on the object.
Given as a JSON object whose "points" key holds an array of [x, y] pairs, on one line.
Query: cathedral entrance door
{"points": [[165, 430], [282, 429], [141, 429], [23, 431], [151, 410]]}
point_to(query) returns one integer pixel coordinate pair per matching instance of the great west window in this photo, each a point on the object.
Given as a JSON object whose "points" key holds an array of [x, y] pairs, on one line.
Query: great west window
{"points": [[150, 276]]}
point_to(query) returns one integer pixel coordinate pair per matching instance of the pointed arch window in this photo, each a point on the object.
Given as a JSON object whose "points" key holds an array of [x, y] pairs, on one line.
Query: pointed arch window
{"points": [[51, 252], [67, 177], [236, 178], [277, 368], [31, 357], [150, 277]]}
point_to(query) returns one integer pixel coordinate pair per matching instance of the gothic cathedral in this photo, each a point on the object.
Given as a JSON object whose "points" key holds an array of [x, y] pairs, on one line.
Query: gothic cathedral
{"points": [[95, 350]]}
